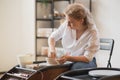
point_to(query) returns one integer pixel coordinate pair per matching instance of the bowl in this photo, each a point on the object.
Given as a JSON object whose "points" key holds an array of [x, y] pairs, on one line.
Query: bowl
{"points": [[51, 61]]}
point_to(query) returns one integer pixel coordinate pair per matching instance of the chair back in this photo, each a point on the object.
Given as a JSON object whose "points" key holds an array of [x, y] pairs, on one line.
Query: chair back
{"points": [[106, 45]]}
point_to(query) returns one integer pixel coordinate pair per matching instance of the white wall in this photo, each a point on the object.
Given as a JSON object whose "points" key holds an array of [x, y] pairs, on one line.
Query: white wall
{"points": [[106, 14], [16, 30]]}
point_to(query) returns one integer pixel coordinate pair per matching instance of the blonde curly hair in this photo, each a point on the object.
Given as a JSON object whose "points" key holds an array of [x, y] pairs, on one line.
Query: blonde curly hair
{"points": [[79, 11]]}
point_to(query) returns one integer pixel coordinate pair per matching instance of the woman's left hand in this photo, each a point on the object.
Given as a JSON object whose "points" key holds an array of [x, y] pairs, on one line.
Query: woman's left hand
{"points": [[63, 59]]}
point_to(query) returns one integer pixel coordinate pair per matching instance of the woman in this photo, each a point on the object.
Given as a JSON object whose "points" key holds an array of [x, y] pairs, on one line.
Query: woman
{"points": [[79, 38]]}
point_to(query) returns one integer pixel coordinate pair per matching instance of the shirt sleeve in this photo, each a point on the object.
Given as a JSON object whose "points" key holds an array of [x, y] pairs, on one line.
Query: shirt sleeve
{"points": [[57, 34], [92, 46]]}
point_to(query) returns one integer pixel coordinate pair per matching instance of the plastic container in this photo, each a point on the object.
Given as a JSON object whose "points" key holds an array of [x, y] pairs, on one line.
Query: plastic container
{"points": [[25, 59]]}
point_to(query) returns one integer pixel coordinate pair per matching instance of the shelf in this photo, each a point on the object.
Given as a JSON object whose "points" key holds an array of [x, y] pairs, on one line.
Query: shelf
{"points": [[43, 19], [62, 0], [42, 37], [50, 1], [39, 55], [49, 14], [47, 1], [55, 18], [58, 18]]}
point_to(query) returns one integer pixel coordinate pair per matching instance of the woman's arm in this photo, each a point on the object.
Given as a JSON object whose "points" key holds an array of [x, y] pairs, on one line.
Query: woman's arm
{"points": [[52, 51], [55, 36], [77, 58], [73, 59]]}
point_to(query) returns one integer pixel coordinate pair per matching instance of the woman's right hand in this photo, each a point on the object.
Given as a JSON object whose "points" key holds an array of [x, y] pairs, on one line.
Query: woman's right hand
{"points": [[52, 55]]}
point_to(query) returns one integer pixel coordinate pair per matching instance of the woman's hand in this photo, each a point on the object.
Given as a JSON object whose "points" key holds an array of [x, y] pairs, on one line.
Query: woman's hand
{"points": [[63, 59], [52, 55]]}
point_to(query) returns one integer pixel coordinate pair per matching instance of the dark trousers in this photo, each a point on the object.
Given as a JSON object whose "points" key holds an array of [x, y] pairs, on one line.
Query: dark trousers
{"points": [[81, 65]]}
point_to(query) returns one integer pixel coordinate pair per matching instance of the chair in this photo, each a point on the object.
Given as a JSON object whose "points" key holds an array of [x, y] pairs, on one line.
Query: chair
{"points": [[105, 45]]}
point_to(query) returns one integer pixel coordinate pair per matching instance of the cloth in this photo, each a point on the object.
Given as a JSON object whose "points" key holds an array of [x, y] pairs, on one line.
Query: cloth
{"points": [[82, 65], [87, 44]]}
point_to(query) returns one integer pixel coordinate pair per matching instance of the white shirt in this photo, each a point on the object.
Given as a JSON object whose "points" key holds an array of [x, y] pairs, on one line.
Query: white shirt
{"points": [[87, 44]]}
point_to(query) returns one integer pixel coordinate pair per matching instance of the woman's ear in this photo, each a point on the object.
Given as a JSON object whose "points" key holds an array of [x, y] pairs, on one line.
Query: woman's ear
{"points": [[81, 21]]}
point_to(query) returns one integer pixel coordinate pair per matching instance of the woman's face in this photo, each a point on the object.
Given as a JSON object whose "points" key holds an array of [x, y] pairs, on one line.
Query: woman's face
{"points": [[73, 23]]}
